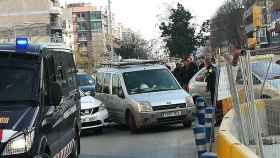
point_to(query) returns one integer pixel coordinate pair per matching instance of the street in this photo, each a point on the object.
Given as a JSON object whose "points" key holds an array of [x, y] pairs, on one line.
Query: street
{"points": [[117, 142]]}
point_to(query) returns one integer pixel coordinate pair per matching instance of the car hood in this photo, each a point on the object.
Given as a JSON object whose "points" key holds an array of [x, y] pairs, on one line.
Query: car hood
{"points": [[15, 118], [88, 102], [162, 98]]}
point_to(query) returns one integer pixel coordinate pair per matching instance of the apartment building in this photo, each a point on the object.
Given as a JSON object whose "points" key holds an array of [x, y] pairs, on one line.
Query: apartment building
{"points": [[40, 20], [90, 33]]}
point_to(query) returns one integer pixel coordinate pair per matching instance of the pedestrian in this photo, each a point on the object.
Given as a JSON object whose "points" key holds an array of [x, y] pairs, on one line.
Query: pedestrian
{"points": [[211, 79], [191, 69], [201, 63], [178, 73]]}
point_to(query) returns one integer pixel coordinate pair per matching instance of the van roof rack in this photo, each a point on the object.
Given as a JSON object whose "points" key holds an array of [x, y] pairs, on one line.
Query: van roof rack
{"points": [[127, 62]]}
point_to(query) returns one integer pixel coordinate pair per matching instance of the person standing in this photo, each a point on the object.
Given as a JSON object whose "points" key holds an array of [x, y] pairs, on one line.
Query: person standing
{"points": [[210, 79]]}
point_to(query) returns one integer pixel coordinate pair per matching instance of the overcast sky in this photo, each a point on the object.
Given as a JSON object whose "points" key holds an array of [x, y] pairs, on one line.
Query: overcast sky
{"points": [[143, 15]]}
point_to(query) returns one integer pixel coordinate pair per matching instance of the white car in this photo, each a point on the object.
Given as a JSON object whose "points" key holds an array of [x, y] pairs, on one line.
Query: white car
{"points": [[94, 115]]}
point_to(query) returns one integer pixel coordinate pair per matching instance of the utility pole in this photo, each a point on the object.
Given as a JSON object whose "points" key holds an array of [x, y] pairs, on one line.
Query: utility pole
{"points": [[110, 30]]}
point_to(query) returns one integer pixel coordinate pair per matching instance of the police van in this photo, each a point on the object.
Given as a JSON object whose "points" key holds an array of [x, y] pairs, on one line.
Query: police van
{"points": [[39, 101]]}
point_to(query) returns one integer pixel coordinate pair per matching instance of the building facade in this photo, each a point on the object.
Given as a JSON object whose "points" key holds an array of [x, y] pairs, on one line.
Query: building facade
{"points": [[89, 29], [40, 20], [261, 19]]}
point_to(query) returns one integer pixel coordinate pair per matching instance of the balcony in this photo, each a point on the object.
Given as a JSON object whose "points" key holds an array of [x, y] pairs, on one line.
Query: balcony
{"points": [[249, 28], [83, 39], [54, 7], [276, 5], [248, 13]]}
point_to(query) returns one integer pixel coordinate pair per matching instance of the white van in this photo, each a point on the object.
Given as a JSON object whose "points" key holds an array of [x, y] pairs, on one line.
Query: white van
{"points": [[143, 95]]}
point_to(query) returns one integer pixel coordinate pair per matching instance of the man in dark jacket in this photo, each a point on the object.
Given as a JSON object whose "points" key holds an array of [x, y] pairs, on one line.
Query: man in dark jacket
{"points": [[211, 79]]}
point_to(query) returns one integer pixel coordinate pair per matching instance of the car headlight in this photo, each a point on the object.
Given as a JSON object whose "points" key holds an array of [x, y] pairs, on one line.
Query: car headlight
{"points": [[189, 101], [20, 144], [145, 106], [102, 107]]}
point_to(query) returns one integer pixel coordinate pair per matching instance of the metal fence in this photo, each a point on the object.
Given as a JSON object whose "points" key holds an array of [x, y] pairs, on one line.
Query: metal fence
{"points": [[255, 92]]}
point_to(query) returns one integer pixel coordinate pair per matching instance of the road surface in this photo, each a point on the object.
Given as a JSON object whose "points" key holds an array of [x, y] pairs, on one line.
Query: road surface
{"points": [[160, 142]]}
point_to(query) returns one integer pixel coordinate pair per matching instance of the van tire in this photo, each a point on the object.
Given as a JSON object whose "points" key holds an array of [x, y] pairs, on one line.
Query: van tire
{"points": [[131, 123], [75, 150]]}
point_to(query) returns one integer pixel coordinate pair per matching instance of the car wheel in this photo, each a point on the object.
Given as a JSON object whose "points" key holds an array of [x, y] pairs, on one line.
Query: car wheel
{"points": [[131, 124], [75, 149]]}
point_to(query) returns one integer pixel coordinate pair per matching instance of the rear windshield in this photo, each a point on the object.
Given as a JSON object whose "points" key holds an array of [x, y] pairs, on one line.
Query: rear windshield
{"points": [[149, 81]]}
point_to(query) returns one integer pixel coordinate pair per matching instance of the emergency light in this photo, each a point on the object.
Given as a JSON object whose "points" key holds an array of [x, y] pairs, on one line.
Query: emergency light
{"points": [[21, 43]]}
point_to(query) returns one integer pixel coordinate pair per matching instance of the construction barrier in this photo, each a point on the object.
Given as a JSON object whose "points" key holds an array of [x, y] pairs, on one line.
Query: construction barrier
{"points": [[228, 146]]}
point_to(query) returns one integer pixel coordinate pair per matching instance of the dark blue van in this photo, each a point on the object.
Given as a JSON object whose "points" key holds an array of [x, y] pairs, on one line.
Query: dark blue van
{"points": [[86, 83]]}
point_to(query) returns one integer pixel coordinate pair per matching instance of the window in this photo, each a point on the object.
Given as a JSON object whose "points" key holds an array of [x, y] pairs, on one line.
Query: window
{"points": [[99, 79], [149, 81], [96, 15], [96, 26], [106, 86], [115, 84]]}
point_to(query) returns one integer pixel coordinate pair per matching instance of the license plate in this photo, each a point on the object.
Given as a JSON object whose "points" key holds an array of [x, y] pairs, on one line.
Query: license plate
{"points": [[88, 119], [172, 114]]}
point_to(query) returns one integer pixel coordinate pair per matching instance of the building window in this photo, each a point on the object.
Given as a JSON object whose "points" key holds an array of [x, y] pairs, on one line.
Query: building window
{"points": [[96, 15], [96, 26]]}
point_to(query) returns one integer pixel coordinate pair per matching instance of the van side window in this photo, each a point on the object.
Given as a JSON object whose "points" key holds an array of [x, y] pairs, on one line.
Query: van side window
{"points": [[106, 85], [99, 82], [115, 85], [49, 77]]}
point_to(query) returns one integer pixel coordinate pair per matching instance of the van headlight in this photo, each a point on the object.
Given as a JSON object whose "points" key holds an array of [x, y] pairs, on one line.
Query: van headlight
{"points": [[20, 144], [189, 101], [102, 107], [145, 106]]}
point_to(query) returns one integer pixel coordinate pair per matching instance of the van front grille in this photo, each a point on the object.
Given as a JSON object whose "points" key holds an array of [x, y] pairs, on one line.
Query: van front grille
{"points": [[166, 107]]}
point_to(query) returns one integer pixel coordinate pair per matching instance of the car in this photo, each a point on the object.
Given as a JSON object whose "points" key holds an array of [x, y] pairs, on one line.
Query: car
{"points": [[86, 83], [39, 101], [94, 115], [265, 80], [143, 94]]}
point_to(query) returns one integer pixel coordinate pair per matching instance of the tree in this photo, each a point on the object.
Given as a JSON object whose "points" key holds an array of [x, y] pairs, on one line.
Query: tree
{"points": [[227, 26], [178, 33], [132, 46], [203, 35]]}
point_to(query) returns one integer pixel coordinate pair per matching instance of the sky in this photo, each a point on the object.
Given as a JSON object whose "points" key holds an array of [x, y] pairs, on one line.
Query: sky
{"points": [[143, 16]]}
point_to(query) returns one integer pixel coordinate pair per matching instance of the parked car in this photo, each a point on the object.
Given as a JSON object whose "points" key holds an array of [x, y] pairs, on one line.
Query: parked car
{"points": [[86, 83], [143, 95], [39, 101], [265, 80], [94, 115]]}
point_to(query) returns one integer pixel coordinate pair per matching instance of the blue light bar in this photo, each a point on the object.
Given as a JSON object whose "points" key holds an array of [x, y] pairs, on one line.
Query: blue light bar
{"points": [[21, 43]]}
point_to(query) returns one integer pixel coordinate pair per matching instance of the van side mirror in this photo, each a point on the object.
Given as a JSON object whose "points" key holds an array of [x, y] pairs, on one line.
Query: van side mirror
{"points": [[121, 94], [56, 93]]}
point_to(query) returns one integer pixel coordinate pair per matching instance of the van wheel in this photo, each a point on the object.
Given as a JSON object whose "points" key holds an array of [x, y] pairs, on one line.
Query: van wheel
{"points": [[75, 150], [131, 124]]}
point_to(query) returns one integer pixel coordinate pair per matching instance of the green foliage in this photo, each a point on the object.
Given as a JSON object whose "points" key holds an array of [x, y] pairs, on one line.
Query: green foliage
{"points": [[132, 47], [179, 33]]}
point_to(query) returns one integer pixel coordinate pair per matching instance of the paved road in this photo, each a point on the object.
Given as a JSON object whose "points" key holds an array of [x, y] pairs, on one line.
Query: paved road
{"points": [[160, 142]]}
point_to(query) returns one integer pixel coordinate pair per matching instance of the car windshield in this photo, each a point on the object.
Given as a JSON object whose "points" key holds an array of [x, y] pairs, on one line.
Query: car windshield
{"points": [[269, 69], [149, 81], [16, 84], [85, 80]]}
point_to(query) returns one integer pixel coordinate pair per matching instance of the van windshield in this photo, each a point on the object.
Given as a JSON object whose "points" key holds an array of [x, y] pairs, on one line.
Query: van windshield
{"points": [[16, 84], [149, 81], [85, 80]]}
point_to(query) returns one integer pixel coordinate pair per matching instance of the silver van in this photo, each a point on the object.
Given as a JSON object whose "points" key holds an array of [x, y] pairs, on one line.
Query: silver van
{"points": [[142, 95]]}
